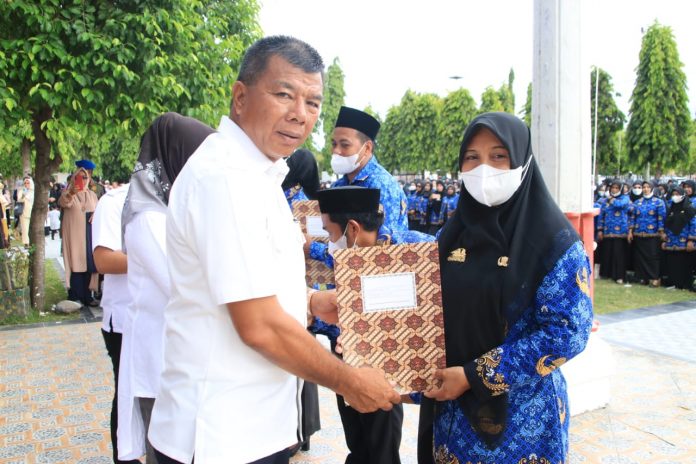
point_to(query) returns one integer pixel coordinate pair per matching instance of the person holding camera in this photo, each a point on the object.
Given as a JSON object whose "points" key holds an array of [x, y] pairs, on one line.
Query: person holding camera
{"points": [[78, 201]]}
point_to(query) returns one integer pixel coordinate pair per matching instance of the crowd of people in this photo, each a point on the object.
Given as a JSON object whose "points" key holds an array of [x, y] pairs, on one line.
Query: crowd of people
{"points": [[210, 323], [646, 230]]}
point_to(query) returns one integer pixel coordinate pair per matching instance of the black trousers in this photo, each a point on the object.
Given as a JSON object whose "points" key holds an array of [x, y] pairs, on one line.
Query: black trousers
{"points": [[112, 340], [372, 438], [79, 289], [281, 457]]}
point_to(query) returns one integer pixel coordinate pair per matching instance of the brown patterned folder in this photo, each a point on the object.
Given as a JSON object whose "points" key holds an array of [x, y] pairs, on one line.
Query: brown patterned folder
{"points": [[405, 336], [317, 274]]}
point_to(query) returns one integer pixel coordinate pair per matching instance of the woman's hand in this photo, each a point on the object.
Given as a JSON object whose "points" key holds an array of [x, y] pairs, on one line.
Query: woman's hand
{"points": [[453, 384]]}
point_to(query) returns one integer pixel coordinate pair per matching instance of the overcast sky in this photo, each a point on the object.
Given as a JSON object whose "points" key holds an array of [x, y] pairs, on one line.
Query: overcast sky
{"points": [[387, 46]]}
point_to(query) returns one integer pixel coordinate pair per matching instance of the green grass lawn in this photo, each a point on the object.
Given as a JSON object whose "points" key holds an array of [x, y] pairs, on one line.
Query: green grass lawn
{"points": [[55, 292], [610, 297]]}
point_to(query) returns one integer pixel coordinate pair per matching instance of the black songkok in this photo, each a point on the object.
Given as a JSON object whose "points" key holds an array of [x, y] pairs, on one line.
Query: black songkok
{"points": [[350, 199], [358, 120]]}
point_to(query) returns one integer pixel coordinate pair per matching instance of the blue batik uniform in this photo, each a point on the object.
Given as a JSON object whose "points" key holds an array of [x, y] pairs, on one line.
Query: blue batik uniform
{"points": [[391, 197], [449, 204], [423, 210], [615, 218], [411, 204], [294, 194], [599, 218], [678, 242], [648, 218], [553, 329]]}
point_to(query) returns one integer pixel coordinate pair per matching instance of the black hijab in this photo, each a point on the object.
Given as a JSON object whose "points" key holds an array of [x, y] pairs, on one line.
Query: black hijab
{"points": [[679, 214], [691, 184], [165, 147], [304, 172], [632, 195], [481, 297]]}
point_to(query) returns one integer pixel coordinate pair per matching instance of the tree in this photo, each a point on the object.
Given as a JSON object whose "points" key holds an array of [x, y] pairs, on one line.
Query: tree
{"points": [[334, 96], [526, 112], [610, 120], [458, 109], [408, 139], [81, 70], [490, 101], [660, 124]]}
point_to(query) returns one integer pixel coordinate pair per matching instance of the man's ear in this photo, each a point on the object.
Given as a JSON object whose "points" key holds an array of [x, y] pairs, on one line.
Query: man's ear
{"points": [[239, 91], [353, 229]]}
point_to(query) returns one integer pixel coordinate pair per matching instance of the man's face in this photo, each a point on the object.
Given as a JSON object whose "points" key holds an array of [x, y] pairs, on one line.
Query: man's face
{"points": [[355, 234], [279, 110], [346, 142], [334, 230]]}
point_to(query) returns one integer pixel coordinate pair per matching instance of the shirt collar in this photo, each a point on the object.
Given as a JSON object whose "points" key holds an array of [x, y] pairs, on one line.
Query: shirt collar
{"points": [[277, 170]]}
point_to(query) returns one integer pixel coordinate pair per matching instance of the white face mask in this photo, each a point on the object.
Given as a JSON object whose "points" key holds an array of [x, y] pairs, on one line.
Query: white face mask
{"points": [[346, 164], [648, 195], [637, 191], [340, 244], [607, 194], [492, 186], [677, 198]]}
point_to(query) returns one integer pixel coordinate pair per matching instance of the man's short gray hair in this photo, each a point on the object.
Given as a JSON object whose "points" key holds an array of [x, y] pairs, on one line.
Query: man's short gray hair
{"points": [[296, 52]]}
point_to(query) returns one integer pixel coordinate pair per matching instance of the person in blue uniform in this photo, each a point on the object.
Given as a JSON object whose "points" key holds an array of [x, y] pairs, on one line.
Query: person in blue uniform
{"points": [[353, 141], [352, 216], [412, 200], [645, 231], [302, 180], [515, 294], [614, 234], [422, 207], [449, 203], [680, 236]]}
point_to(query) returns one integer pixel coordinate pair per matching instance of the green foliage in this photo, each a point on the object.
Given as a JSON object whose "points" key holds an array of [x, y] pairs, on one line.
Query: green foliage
{"points": [[85, 70], [334, 96], [408, 139], [659, 126], [458, 109], [610, 120], [527, 110], [491, 101]]}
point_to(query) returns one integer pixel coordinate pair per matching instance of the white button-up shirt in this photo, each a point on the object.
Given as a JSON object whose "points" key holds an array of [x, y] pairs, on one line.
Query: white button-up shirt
{"points": [[106, 232], [230, 237]]}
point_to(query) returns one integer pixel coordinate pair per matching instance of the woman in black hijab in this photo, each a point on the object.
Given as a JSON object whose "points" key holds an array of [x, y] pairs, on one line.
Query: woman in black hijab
{"points": [[680, 236], [515, 292], [302, 180]]}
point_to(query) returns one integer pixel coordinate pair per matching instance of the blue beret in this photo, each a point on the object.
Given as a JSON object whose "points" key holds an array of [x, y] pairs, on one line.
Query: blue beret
{"points": [[85, 164]]}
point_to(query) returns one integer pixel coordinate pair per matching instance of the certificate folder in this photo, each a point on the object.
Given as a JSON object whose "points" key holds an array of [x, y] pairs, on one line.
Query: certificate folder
{"points": [[390, 311], [307, 213]]}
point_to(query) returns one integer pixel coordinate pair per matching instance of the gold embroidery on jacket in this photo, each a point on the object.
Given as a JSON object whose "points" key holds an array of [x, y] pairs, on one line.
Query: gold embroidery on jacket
{"points": [[443, 456], [544, 369], [458, 255], [583, 281], [533, 459], [485, 369]]}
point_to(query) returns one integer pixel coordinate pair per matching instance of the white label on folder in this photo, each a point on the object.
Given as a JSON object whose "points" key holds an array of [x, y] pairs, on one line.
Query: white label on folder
{"points": [[315, 228], [388, 292]]}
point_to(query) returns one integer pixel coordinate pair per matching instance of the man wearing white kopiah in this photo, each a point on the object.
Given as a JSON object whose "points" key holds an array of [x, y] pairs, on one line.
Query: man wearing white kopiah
{"points": [[235, 340]]}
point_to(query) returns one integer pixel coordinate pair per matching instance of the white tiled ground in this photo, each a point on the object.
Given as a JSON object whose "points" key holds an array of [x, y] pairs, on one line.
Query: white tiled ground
{"points": [[672, 334]]}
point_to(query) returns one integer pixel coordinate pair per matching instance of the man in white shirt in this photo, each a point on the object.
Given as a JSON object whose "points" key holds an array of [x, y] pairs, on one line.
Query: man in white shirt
{"points": [[111, 261], [235, 338]]}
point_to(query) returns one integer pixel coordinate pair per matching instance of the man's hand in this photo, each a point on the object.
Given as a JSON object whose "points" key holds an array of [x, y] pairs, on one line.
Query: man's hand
{"points": [[690, 246], [630, 236], [454, 384], [368, 391], [323, 305]]}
